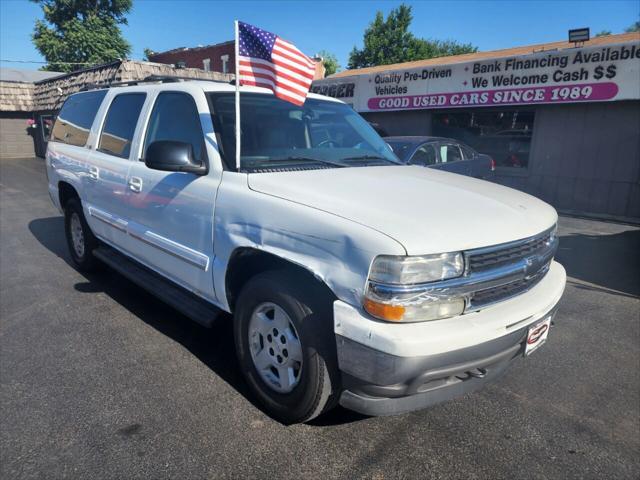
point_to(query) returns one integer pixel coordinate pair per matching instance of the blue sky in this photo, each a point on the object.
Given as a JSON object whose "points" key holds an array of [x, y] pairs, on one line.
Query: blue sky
{"points": [[334, 26]]}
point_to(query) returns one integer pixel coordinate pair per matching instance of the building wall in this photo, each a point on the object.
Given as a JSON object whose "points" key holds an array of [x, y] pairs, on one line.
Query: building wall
{"points": [[416, 122], [193, 57], [16, 140], [584, 158]]}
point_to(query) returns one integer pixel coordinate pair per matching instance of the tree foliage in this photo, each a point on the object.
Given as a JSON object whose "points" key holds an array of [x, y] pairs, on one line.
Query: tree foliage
{"points": [[389, 40], [634, 27], [603, 33], [330, 62], [147, 54], [79, 33]]}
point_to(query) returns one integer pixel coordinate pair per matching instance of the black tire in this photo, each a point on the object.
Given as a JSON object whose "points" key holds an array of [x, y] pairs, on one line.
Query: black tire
{"points": [[310, 309], [84, 260]]}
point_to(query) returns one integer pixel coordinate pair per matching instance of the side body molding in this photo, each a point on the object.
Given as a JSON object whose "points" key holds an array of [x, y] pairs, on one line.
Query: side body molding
{"points": [[139, 233]]}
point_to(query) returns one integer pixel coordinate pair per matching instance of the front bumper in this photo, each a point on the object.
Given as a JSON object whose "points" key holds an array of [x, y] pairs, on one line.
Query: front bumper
{"points": [[394, 368]]}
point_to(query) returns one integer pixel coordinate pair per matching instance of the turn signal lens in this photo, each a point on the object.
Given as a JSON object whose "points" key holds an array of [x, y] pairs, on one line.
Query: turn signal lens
{"points": [[392, 313]]}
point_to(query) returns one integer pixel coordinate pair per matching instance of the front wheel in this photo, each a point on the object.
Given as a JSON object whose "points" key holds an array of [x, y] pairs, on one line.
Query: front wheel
{"points": [[285, 344]]}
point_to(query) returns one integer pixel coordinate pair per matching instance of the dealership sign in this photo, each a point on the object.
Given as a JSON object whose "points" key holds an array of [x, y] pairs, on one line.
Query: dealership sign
{"points": [[593, 74]]}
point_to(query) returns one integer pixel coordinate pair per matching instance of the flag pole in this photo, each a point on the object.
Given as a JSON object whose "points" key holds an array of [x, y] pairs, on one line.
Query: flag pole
{"points": [[237, 82]]}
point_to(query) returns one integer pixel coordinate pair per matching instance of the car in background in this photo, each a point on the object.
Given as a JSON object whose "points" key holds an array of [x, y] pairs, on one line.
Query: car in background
{"points": [[443, 154]]}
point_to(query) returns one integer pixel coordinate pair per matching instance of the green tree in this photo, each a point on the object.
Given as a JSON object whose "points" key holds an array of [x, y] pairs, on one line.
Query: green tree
{"points": [[634, 27], [147, 53], [79, 33], [603, 33], [330, 62], [388, 41]]}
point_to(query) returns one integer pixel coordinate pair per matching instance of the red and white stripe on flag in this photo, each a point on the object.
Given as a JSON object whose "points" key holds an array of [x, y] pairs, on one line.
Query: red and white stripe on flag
{"points": [[289, 73]]}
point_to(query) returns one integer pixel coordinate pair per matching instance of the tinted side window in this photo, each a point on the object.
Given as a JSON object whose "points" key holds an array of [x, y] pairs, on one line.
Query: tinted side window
{"points": [[450, 153], [175, 117], [425, 155], [120, 124], [76, 117], [467, 153]]}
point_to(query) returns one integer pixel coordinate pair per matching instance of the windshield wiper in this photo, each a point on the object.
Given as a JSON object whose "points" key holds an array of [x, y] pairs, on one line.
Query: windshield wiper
{"points": [[369, 157], [294, 158]]}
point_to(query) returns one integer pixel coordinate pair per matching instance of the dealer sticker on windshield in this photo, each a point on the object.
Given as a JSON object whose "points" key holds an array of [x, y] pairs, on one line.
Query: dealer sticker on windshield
{"points": [[537, 335]]}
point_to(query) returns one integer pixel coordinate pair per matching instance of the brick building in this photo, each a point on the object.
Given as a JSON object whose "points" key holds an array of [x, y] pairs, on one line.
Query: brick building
{"points": [[215, 58]]}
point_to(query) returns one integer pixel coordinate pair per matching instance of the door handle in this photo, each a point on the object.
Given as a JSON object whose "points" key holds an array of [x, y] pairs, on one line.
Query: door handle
{"points": [[94, 173], [135, 184]]}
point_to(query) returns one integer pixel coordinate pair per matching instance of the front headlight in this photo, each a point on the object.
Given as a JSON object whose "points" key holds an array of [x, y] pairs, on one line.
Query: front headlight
{"points": [[393, 291], [395, 270]]}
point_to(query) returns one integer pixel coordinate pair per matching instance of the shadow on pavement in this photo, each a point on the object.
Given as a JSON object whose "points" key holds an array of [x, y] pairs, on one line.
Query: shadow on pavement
{"points": [[213, 347], [608, 261]]}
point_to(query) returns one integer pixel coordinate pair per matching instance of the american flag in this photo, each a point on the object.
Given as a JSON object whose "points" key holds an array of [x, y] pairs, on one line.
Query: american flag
{"points": [[268, 61]]}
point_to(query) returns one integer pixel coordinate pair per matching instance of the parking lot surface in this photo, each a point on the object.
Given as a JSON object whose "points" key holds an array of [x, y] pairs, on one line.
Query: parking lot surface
{"points": [[98, 379]]}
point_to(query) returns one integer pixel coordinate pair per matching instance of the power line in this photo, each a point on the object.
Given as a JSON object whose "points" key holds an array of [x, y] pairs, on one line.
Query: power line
{"points": [[52, 62], [37, 61]]}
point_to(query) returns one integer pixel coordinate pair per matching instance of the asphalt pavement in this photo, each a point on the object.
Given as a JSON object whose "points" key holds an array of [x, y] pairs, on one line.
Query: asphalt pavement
{"points": [[98, 379]]}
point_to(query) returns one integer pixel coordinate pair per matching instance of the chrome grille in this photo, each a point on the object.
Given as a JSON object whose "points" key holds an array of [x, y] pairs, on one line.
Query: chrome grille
{"points": [[486, 297], [530, 257], [484, 259]]}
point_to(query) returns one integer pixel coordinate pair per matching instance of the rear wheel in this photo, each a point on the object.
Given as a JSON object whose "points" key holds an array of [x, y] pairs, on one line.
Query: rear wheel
{"points": [[80, 239], [286, 346]]}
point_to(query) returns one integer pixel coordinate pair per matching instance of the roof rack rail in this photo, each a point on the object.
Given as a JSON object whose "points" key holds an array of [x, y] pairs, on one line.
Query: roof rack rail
{"points": [[96, 86], [174, 79], [149, 79], [93, 86]]}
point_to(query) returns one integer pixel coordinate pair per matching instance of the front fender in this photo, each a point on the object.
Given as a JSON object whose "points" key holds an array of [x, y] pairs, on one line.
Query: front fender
{"points": [[335, 250]]}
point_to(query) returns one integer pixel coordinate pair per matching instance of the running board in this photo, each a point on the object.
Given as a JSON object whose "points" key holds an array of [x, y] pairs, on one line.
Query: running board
{"points": [[185, 302]]}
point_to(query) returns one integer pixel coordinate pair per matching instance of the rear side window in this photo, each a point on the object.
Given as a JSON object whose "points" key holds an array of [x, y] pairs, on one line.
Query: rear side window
{"points": [[467, 153], [76, 117], [450, 153], [120, 124], [175, 117]]}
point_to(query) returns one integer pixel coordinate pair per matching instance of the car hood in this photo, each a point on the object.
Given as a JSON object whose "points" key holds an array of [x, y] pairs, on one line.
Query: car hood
{"points": [[426, 210]]}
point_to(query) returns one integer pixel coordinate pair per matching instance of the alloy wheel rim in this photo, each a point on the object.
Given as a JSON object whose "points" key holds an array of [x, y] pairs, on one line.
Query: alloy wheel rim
{"points": [[276, 350], [77, 235]]}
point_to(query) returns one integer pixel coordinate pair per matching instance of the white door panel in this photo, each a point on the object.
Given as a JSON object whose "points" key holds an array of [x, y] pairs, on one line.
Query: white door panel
{"points": [[171, 225], [171, 213], [107, 197]]}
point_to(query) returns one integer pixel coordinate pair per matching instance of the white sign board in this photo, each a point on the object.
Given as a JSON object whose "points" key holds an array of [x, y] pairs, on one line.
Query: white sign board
{"points": [[590, 74]]}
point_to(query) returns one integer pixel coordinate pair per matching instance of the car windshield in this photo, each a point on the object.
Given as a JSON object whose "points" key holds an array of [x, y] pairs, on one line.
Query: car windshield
{"points": [[278, 134]]}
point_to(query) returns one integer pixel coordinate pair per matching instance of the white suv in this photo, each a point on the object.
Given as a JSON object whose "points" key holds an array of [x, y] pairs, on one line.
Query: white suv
{"points": [[351, 278]]}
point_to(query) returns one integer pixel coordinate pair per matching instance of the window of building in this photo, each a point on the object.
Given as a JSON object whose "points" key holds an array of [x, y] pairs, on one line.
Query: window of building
{"points": [[120, 124], [76, 117], [503, 135], [175, 117], [206, 64], [225, 63]]}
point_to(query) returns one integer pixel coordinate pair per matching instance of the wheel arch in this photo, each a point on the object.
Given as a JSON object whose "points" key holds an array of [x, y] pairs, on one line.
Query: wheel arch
{"points": [[247, 262], [66, 192]]}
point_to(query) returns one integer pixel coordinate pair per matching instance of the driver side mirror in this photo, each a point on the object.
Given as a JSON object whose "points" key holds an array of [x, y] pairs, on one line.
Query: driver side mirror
{"points": [[171, 156]]}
